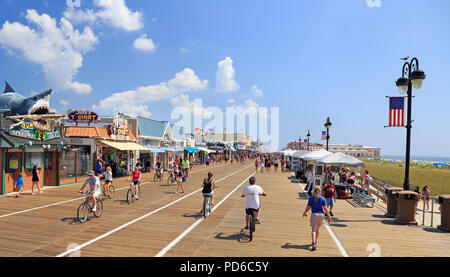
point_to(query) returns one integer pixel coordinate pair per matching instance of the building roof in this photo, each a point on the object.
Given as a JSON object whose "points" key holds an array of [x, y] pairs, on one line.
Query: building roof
{"points": [[90, 132], [151, 128], [178, 132]]}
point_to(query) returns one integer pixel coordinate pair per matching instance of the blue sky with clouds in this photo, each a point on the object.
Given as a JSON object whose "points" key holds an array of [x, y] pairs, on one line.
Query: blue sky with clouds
{"points": [[313, 59]]}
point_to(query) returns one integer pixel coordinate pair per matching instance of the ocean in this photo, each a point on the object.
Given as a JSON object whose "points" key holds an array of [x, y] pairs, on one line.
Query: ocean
{"points": [[418, 158]]}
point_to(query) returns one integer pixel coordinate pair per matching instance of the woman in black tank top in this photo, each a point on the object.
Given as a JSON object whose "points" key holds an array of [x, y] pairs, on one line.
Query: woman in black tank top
{"points": [[35, 180], [208, 189]]}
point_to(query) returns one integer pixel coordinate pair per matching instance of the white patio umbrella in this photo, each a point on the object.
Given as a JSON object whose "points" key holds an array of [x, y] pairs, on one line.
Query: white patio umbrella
{"points": [[341, 159], [315, 155]]}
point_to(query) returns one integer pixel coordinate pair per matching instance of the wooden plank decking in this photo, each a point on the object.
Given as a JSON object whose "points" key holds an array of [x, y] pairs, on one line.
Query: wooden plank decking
{"points": [[48, 231]]}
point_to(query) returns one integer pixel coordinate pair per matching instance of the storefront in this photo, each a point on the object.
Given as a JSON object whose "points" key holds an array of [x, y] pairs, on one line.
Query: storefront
{"points": [[23, 146]]}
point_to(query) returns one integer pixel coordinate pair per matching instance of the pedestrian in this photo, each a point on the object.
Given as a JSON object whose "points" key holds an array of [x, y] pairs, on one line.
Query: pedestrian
{"points": [[417, 190], [276, 164], [19, 185], [426, 196], [318, 205], [35, 180], [329, 192], [148, 165], [180, 177]]}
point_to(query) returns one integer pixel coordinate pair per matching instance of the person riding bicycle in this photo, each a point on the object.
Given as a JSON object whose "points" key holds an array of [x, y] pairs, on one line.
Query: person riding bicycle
{"points": [[108, 179], [208, 189], [136, 177], [252, 192], [185, 164], [95, 189]]}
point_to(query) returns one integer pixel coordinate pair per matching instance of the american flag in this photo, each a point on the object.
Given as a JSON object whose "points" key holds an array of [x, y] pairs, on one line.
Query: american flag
{"points": [[324, 135], [396, 111]]}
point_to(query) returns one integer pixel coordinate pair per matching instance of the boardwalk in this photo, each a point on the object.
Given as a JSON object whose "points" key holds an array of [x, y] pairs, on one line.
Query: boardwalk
{"points": [[169, 225]]}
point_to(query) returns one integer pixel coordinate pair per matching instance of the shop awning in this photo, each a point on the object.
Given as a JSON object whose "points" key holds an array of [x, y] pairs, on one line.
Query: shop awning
{"points": [[125, 145], [190, 150], [205, 150], [173, 149], [156, 150]]}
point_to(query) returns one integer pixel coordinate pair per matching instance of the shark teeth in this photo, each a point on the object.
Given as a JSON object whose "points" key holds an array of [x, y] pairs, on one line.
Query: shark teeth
{"points": [[43, 127], [39, 110]]}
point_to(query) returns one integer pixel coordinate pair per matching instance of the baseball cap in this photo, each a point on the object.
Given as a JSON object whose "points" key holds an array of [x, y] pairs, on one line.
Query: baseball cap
{"points": [[91, 173]]}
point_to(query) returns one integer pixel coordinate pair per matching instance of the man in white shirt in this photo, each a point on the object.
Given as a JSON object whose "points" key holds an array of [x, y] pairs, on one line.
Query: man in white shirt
{"points": [[95, 189], [252, 192]]}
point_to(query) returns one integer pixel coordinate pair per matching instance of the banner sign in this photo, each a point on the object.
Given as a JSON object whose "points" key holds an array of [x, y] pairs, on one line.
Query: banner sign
{"points": [[26, 130], [83, 117], [120, 131]]}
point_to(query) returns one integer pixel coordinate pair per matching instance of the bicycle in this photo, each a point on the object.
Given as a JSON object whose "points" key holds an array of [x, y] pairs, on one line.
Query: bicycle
{"points": [[171, 180], [158, 176], [253, 220], [207, 206], [86, 207], [131, 195], [111, 193]]}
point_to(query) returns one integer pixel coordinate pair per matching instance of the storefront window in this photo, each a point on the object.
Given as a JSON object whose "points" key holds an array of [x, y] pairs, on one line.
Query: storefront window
{"points": [[48, 160], [33, 158], [76, 164]]}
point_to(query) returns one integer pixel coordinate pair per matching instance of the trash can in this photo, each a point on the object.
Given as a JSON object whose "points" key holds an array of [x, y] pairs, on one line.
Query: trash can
{"points": [[391, 201], [444, 201], [406, 207]]}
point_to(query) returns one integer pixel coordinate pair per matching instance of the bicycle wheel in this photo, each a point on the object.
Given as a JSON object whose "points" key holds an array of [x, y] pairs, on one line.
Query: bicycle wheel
{"points": [[130, 196], [111, 192], [83, 212], [98, 213], [155, 177], [252, 225], [206, 208]]}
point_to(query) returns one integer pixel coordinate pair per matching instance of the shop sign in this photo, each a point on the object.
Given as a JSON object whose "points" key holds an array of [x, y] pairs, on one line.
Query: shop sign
{"points": [[81, 116], [119, 130], [26, 130]]}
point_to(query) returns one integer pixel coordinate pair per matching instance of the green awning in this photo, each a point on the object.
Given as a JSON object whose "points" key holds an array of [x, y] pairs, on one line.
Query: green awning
{"points": [[12, 141]]}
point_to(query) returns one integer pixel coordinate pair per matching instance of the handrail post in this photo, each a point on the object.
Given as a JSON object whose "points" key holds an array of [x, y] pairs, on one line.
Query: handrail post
{"points": [[423, 212], [432, 211]]}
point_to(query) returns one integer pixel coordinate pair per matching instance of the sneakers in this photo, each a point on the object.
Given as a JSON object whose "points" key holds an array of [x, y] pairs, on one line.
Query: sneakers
{"points": [[331, 213], [94, 209], [313, 246]]}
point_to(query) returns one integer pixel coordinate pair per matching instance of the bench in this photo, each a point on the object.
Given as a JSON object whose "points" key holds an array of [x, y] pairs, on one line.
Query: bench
{"points": [[360, 195]]}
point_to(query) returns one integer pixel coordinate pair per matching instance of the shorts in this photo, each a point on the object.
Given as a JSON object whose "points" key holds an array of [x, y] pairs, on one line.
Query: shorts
{"points": [[179, 179], [20, 189], [316, 220], [107, 182], [96, 194], [249, 211], [330, 201], [137, 183], [209, 194]]}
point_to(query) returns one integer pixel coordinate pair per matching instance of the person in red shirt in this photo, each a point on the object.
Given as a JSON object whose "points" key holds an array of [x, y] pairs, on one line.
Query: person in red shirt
{"points": [[136, 175], [329, 193]]}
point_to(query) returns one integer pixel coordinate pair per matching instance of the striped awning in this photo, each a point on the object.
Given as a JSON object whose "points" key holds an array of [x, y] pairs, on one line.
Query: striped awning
{"points": [[125, 145]]}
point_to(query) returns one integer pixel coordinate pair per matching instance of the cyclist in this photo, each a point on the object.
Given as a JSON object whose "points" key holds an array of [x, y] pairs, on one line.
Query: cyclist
{"points": [[95, 189], [136, 177], [252, 192], [208, 189], [179, 175], [108, 179]]}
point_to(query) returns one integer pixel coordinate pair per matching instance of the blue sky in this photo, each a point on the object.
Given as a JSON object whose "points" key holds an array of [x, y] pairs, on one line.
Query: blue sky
{"points": [[313, 59]]}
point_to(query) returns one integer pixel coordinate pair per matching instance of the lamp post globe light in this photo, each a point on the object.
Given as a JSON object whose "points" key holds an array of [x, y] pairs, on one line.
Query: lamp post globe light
{"points": [[308, 136], [328, 126], [411, 76]]}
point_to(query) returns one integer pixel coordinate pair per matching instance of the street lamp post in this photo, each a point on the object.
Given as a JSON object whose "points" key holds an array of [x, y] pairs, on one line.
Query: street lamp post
{"points": [[328, 126], [308, 136], [411, 76], [299, 143]]}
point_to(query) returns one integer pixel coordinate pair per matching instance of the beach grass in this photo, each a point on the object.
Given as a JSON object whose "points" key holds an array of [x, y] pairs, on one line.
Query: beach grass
{"points": [[394, 173]]}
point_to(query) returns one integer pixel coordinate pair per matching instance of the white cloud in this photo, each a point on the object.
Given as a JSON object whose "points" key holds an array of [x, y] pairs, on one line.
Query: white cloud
{"points": [[114, 13], [257, 92], [184, 81], [225, 76], [132, 110], [64, 103], [79, 87], [182, 100], [184, 50], [231, 101], [144, 43], [58, 48]]}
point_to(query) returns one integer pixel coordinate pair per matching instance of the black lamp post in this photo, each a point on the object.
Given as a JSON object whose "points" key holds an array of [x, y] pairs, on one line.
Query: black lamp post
{"points": [[328, 126], [411, 76], [308, 136], [299, 143]]}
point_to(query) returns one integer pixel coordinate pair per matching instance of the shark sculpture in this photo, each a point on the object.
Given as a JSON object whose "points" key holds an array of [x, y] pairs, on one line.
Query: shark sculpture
{"points": [[35, 108]]}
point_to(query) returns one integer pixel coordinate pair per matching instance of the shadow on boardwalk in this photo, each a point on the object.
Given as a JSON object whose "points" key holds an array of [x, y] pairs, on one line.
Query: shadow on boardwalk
{"points": [[288, 245]]}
